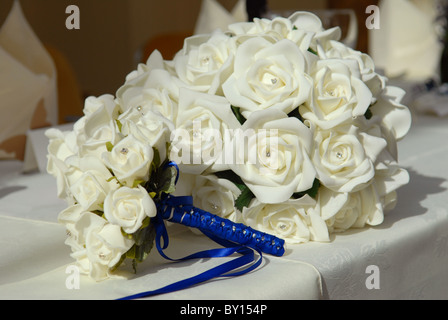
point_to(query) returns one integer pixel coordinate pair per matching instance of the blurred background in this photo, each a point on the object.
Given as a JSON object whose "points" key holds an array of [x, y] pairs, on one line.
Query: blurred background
{"points": [[113, 32], [115, 35]]}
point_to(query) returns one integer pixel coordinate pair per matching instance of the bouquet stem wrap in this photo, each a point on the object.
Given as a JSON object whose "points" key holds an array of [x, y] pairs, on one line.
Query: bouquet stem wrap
{"points": [[181, 210]]}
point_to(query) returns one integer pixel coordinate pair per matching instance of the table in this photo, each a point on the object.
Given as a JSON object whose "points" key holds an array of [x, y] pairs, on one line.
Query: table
{"points": [[410, 248], [404, 258], [35, 262]]}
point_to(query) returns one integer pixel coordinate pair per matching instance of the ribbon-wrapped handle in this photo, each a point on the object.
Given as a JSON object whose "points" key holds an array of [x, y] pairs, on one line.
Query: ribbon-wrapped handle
{"points": [[181, 210]]}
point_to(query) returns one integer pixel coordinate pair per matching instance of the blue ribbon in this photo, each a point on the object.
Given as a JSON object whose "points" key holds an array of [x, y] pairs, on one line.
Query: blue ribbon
{"points": [[247, 248], [181, 210], [247, 258]]}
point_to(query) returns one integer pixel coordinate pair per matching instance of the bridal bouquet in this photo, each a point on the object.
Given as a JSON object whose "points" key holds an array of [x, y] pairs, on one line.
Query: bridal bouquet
{"points": [[273, 124]]}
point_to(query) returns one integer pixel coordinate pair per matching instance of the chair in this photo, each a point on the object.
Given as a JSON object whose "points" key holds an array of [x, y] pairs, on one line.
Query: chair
{"points": [[69, 92], [168, 44], [70, 104]]}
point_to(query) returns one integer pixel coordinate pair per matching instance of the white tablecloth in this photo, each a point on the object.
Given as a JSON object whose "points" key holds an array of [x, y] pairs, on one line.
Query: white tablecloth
{"points": [[409, 251], [35, 263]]}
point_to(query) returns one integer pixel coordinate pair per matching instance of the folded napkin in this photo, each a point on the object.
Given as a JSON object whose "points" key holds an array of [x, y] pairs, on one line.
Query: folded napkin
{"points": [[28, 89], [214, 16], [406, 44], [433, 101]]}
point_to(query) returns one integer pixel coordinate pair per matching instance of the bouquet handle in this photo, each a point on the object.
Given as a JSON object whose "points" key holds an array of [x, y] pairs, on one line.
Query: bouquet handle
{"points": [[181, 210], [235, 237]]}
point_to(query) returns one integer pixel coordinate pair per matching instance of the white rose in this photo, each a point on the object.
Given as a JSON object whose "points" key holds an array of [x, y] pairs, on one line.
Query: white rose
{"points": [[149, 127], [89, 181], [295, 221], [150, 87], [343, 211], [215, 195], [395, 117], [303, 28], [201, 126], [311, 23], [104, 245], [57, 169], [344, 156], [96, 135], [338, 50], [68, 217], [389, 176], [61, 146], [268, 75], [339, 94], [104, 103], [274, 163], [205, 62], [130, 160], [128, 207], [98, 126], [278, 29], [387, 181], [105, 249], [158, 91], [138, 76], [88, 191]]}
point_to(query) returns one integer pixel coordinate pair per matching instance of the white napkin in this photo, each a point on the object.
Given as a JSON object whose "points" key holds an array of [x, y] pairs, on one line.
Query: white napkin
{"points": [[406, 43], [37, 148], [214, 16], [28, 89], [434, 102]]}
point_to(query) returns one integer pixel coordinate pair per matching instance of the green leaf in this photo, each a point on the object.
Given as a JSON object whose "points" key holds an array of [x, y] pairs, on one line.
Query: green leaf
{"points": [[99, 212], [115, 267], [312, 192], [368, 114], [131, 252], [246, 195], [296, 114], [119, 125], [144, 242], [137, 183], [167, 180], [109, 146], [134, 265], [312, 51], [244, 199], [156, 159], [145, 222], [163, 179], [314, 189], [231, 176], [238, 115]]}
